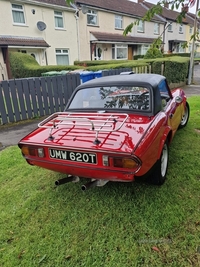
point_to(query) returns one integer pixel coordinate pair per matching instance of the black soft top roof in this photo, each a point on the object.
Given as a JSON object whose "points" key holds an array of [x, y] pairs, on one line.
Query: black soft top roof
{"points": [[129, 79], [150, 81]]}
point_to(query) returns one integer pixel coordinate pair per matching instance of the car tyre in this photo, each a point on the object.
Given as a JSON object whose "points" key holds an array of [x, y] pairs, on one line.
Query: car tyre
{"points": [[185, 116], [158, 176]]}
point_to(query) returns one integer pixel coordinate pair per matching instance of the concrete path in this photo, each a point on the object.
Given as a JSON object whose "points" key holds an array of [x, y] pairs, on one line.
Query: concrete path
{"points": [[13, 134]]}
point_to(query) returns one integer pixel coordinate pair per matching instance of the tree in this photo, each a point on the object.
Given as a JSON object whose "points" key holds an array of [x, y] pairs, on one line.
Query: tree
{"points": [[174, 5], [153, 52]]}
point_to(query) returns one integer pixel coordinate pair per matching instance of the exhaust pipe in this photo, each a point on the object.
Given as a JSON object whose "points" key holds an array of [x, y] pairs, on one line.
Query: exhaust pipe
{"points": [[93, 184], [67, 179]]}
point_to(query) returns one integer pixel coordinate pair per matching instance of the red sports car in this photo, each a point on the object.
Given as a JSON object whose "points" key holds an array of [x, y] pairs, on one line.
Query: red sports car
{"points": [[115, 128]]}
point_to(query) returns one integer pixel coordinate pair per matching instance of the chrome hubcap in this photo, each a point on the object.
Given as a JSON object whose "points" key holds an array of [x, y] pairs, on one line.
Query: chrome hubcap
{"points": [[184, 117], [164, 160]]}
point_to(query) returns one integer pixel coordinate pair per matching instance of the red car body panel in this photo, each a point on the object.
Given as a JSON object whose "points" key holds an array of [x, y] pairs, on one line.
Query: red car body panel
{"points": [[77, 143]]}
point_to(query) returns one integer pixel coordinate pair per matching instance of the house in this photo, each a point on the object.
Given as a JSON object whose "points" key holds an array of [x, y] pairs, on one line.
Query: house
{"points": [[45, 29], [101, 26], [190, 32], [175, 35], [55, 33]]}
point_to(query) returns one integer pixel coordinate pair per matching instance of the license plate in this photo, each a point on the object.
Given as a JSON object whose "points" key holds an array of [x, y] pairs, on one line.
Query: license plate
{"points": [[73, 156]]}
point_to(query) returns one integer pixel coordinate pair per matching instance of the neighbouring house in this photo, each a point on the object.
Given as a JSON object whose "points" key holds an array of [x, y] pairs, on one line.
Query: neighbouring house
{"points": [[56, 33], [101, 26], [175, 35], [45, 29], [190, 32]]}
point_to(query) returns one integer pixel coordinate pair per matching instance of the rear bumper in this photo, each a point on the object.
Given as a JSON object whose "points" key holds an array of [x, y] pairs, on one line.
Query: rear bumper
{"points": [[90, 172]]}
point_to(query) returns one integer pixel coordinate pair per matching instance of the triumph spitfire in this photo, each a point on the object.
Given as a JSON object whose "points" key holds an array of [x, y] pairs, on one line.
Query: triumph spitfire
{"points": [[115, 128]]}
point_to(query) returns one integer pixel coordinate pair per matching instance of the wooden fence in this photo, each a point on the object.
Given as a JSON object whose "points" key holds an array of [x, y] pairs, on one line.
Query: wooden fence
{"points": [[28, 98]]}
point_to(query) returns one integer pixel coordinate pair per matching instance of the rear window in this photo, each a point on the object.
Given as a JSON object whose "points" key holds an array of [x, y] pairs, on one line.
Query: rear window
{"points": [[134, 98]]}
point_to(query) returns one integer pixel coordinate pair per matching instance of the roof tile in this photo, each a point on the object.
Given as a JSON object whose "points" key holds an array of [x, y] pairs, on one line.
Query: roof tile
{"points": [[109, 37], [8, 40], [124, 7]]}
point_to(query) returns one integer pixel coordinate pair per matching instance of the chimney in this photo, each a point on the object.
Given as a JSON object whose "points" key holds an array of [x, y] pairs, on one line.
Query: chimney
{"points": [[140, 1], [185, 8], [166, 4]]}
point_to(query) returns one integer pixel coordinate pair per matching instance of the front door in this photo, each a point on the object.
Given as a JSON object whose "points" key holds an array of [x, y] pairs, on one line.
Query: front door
{"points": [[130, 53], [98, 52]]}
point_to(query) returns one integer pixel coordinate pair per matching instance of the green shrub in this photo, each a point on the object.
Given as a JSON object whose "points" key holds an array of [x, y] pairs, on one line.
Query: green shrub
{"points": [[136, 57], [127, 64], [175, 68], [18, 61], [24, 65], [157, 67], [88, 63], [176, 71], [153, 52], [177, 54]]}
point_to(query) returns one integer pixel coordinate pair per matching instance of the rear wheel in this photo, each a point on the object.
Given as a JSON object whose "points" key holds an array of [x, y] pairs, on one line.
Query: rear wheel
{"points": [[158, 176], [185, 116]]}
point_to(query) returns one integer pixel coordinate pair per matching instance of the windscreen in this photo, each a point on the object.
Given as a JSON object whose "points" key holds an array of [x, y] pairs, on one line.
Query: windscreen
{"points": [[129, 97]]}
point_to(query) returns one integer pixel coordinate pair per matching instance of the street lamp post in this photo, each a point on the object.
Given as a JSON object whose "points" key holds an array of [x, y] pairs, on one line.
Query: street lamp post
{"points": [[191, 68]]}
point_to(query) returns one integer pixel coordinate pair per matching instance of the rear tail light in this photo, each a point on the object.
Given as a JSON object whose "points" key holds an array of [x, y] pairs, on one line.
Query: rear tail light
{"points": [[125, 163], [33, 151], [121, 162]]}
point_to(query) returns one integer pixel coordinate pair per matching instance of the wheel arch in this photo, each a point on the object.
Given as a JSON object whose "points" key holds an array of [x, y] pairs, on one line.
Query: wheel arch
{"points": [[167, 137]]}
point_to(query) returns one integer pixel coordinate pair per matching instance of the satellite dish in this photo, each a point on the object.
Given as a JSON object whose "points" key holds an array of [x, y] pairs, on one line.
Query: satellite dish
{"points": [[84, 9], [41, 26]]}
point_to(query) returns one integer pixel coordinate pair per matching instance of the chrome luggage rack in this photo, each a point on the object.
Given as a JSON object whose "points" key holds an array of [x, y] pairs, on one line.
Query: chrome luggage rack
{"points": [[98, 122]]}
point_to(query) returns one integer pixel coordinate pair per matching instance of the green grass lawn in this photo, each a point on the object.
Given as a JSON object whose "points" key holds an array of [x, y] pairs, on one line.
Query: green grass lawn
{"points": [[120, 224]]}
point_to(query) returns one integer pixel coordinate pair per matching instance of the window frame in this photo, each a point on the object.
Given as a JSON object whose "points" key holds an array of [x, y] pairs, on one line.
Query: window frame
{"points": [[93, 13], [56, 19], [119, 20], [169, 28], [115, 52], [140, 26], [156, 29], [62, 53], [142, 49], [181, 28], [21, 11], [179, 48], [190, 47]]}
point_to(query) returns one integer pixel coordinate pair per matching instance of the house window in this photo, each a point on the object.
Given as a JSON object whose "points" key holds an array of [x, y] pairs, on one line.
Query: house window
{"points": [[62, 56], [156, 28], [180, 48], [190, 47], [170, 27], [119, 51], [91, 17], [18, 14], [118, 22], [58, 17], [140, 26], [142, 49], [180, 28], [191, 30]]}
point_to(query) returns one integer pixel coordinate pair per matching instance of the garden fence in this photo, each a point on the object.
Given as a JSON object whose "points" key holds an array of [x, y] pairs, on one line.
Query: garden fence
{"points": [[28, 98]]}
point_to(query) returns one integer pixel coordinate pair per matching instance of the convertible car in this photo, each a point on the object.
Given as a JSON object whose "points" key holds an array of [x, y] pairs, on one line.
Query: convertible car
{"points": [[115, 128]]}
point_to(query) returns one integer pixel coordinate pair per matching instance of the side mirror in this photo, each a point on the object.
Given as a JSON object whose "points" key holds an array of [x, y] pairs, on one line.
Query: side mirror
{"points": [[179, 99]]}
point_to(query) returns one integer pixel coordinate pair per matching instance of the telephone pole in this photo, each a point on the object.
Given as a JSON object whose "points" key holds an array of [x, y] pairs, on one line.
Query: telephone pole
{"points": [[191, 68]]}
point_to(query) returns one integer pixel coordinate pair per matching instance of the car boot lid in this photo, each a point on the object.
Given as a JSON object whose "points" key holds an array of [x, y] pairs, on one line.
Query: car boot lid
{"points": [[93, 131]]}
